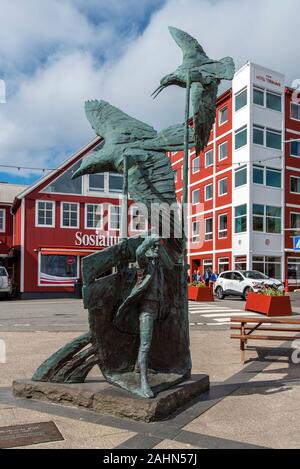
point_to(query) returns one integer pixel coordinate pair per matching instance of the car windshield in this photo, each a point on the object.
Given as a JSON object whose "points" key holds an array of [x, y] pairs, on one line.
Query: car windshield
{"points": [[254, 274], [2, 272]]}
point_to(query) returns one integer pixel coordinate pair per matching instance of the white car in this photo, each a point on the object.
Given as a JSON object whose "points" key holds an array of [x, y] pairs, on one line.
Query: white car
{"points": [[241, 282], [5, 283]]}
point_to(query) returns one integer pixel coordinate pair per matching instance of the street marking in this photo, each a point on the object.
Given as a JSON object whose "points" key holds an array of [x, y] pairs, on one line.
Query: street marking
{"points": [[213, 311], [220, 315], [21, 325]]}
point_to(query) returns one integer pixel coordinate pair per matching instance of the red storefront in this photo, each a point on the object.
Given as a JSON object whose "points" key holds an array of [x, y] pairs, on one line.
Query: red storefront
{"points": [[58, 221]]}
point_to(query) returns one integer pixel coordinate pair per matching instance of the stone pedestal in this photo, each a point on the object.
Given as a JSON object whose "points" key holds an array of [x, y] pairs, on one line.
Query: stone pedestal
{"points": [[105, 398]]}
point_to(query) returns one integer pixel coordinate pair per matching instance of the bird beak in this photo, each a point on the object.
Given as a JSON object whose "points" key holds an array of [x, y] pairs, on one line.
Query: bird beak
{"points": [[157, 91]]}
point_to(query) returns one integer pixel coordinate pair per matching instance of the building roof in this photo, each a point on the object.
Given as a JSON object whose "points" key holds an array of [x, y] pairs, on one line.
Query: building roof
{"points": [[8, 192]]}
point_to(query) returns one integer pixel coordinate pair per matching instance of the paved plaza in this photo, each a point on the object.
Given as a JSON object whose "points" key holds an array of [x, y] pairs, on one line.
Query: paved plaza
{"points": [[248, 406]]}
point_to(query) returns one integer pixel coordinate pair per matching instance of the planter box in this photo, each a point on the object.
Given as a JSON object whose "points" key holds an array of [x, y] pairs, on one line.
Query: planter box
{"points": [[200, 294], [271, 306]]}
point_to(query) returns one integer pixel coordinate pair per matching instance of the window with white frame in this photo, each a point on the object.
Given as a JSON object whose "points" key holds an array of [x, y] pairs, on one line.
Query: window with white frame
{"points": [[195, 232], [295, 184], [295, 111], [258, 217], [258, 96], [223, 226], [273, 139], [196, 196], [267, 219], [209, 158], [55, 268], [96, 182], [45, 213], [241, 137], [241, 99], [223, 151], [223, 186], [268, 265], [273, 101], [258, 174], [295, 223], [294, 269], [69, 215], [240, 176], [258, 135], [223, 264], [207, 264], [196, 164], [295, 148], [94, 216], [138, 221], [208, 229], [2, 220], [240, 219], [223, 115], [114, 217], [208, 191], [270, 177], [115, 182]]}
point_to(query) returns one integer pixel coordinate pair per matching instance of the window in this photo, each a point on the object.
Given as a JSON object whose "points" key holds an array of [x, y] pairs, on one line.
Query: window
{"points": [[259, 96], [195, 232], [64, 184], [295, 224], [270, 266], [295, 148], [2, 220], [96, 182], [240, 219], [208, 229], [258, 135], [295, 184], [115, 182], [241, 99], [240, 176], [207, 264], [258, 217], [209, 158], [58, 269], [223, 226], [223, 151], [223, 264], [273, 177], [240, 263], [114, 217], [208, 190], [138, 222], [273, 220], [274, 101], [223, 115], [258, 174], [196, 164], [295, 111], [241, 138], [45, 213], [196, 196], [94, 216], [273, 139], [294, 268], [69, 215], [223, 183]]}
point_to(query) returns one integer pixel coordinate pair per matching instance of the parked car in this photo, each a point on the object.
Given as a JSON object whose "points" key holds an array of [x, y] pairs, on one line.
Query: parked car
{"points": [[5, 283], [241, 282]]}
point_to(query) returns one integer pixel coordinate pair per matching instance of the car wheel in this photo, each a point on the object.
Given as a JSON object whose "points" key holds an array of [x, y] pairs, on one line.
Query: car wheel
{"points": [[220, 293], [246, 292]]}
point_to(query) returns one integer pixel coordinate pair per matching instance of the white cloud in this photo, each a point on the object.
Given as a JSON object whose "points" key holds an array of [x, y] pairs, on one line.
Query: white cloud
{"points": [[44, 117]]}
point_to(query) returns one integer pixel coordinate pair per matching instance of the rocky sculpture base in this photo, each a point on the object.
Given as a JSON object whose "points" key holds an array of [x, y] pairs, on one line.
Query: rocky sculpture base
{"points": [[102, 397]]}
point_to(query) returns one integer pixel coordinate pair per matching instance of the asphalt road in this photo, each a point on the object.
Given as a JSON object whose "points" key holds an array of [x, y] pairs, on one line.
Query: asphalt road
{"points": [[65, 315]]}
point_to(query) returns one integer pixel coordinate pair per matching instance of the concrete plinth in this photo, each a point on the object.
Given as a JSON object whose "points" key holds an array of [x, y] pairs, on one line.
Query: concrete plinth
{"points": [[105, 398]]}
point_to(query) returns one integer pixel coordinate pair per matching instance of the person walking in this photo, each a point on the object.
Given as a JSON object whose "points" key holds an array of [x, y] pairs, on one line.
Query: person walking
{"points": [[213, 279], [207, 276]]}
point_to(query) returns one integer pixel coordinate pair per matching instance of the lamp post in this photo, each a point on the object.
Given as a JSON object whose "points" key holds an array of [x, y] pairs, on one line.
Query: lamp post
{"points": [[124, 207]]}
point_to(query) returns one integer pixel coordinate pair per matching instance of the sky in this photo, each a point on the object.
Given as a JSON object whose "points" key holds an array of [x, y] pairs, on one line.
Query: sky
{"points": [[56, 54]]}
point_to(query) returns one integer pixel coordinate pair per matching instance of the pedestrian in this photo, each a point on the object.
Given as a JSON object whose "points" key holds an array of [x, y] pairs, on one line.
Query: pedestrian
{"points": [[214, 278], [207, 276], [199, 278], [194, 276]]}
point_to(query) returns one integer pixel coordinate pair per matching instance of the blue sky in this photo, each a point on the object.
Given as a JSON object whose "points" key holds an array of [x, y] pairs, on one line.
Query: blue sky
{"points": [[55, 54]]}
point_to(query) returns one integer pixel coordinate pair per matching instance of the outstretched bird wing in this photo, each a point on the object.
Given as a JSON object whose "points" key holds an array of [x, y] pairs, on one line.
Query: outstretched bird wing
{"points": [[115, 125], [204, 107], [190, 47], [220, 70], [170, 139]]}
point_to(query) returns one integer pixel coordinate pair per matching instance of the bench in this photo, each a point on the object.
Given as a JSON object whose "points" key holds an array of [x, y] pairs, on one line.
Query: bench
{"points": [[248, 325]]}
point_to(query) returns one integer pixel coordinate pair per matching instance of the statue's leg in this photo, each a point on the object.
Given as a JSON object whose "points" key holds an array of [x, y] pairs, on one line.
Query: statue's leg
{"points": [[146, 331]]}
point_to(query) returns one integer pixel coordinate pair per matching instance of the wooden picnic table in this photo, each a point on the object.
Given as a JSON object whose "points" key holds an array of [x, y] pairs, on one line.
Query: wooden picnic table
{"points": [[249, 325]]}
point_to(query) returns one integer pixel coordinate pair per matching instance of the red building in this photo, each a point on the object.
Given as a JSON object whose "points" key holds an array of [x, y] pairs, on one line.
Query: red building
{"points": [[57, 221]]}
